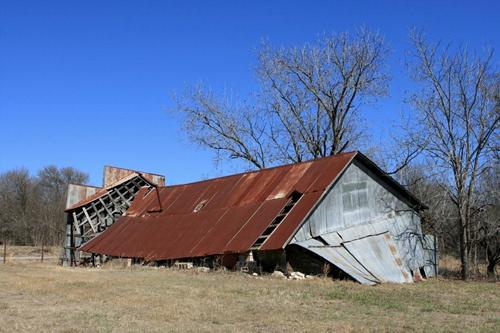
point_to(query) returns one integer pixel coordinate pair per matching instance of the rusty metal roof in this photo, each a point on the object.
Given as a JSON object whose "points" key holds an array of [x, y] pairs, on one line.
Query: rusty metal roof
{"points": [[220, 215]]}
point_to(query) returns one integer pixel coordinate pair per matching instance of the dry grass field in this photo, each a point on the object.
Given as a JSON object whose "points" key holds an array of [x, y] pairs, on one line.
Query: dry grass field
{"points": [[50, 298], [30, 252]]}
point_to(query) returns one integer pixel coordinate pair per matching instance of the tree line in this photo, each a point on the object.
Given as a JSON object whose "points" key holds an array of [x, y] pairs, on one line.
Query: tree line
{"points": [[32, 207], [312, 101]]}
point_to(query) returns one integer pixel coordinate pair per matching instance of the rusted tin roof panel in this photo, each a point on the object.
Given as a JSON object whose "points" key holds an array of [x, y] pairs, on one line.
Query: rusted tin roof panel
{"points": [[145, 199], [255, 226], [196, 229], [114, 174], [266, 182], [290, 224], [105, 241], [323, 172], [289, 180], [216, 239], [221, 191], [218, 215], [242, 189], [186, 199]]}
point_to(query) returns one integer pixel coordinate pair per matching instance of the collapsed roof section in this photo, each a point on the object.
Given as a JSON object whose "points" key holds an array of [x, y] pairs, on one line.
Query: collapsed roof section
{"points": [[91, 210]]}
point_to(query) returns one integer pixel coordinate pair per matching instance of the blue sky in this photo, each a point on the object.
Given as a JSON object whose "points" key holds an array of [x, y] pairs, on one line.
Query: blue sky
{"points": [[87, 83]]}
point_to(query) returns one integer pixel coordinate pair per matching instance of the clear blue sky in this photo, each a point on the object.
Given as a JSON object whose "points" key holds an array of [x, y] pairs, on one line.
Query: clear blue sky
{"points": [[87, 83]]}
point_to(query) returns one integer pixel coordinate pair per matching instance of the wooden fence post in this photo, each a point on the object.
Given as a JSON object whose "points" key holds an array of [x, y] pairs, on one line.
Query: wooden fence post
{"points": [[4, 251]]}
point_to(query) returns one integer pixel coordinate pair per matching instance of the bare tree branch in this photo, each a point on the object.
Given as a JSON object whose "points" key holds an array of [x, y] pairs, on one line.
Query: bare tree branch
{"points": [[308, 106]]}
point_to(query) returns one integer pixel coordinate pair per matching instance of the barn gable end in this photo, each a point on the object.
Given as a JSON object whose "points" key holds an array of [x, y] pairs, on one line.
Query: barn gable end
{"points": [[362, 213]]}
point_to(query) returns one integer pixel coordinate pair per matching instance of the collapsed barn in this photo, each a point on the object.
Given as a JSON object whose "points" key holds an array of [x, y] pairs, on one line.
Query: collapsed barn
{"points": [[91, 210], [342, 210]]}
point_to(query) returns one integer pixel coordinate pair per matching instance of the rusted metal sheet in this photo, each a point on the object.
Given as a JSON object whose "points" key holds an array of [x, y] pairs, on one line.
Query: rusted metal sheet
{"points": [[286, 229], [256, 224], [215, 240], [220, 215], [369, 259], [289, 180], [114, 174], [367, 253], [78, 192], [341, 258], [379, 255]]}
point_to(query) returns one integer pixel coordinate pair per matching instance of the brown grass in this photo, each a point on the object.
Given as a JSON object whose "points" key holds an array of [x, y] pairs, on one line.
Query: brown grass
{"points": [[449, 267], [44, 297], [30, 251]]}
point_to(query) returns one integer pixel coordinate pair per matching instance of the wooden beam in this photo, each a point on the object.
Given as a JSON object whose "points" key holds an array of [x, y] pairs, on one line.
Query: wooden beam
{"points": [[106, 208], [89, 220]]}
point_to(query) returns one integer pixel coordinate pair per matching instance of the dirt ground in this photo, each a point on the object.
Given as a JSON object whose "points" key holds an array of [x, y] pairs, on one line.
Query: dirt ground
{"points": [[50, 298]]}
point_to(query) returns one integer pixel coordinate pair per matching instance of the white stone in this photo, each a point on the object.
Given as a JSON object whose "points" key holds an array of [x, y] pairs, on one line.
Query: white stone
{"points": [[297, 276], [278, 275], [203, 269]]}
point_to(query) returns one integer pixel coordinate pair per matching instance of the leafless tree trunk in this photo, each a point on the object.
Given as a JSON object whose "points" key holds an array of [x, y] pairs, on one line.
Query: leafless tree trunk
{"points": [[308, 105], [457, 115], [488, 216]]}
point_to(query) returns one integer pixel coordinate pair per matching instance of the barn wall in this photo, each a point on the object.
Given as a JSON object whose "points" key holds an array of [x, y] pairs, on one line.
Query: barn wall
{"points": [[114, 174], [77, 193], [361, 203]]}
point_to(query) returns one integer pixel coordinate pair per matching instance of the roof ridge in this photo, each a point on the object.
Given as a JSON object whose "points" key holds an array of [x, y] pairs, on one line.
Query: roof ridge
{"points": [[132, 170], [354, 152]]}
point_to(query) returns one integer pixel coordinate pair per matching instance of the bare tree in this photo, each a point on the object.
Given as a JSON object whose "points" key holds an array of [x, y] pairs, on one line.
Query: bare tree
{"points": [[232, 131], [439, 219], [457, 118], [51, 188], [17, 204], [32, 208], [308, 106]]}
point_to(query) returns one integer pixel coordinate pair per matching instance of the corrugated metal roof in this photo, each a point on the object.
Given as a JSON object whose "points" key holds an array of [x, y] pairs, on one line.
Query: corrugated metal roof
{"points": [[235, 210], [222, 215]]}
